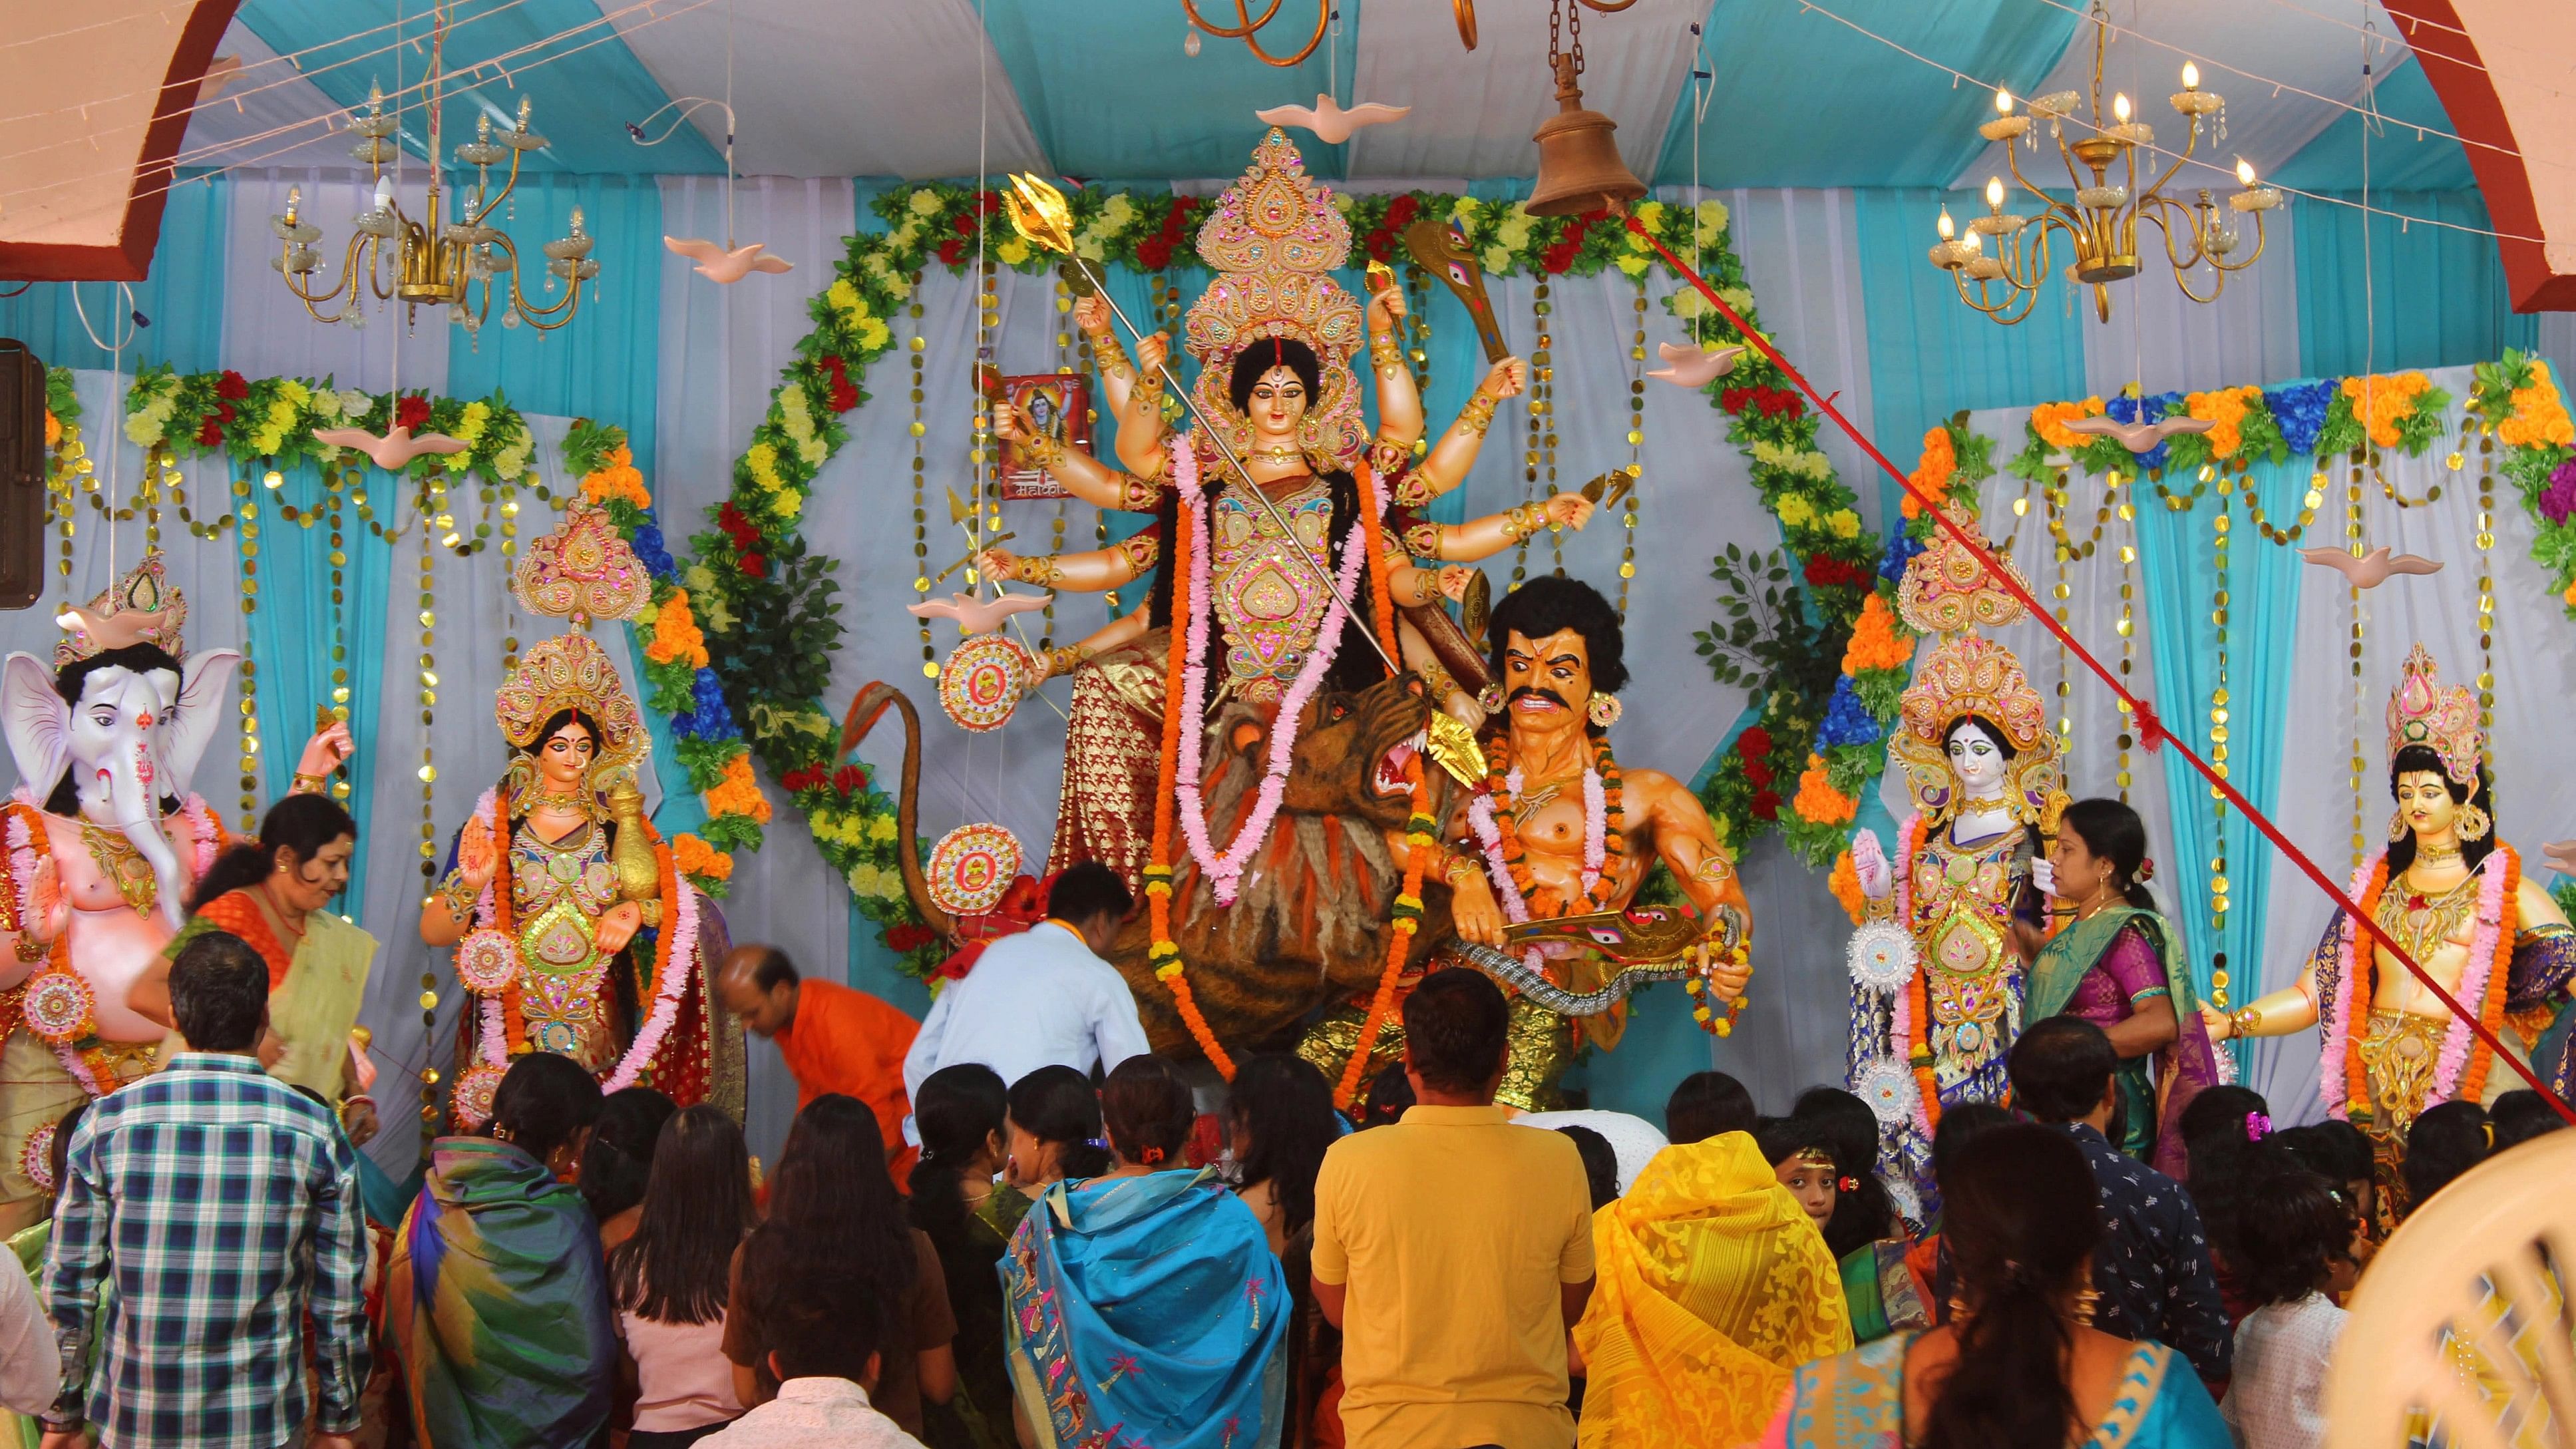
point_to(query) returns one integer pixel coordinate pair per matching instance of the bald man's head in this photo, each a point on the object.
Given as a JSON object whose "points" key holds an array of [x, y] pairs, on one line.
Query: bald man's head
{"points": [[759, 985]]}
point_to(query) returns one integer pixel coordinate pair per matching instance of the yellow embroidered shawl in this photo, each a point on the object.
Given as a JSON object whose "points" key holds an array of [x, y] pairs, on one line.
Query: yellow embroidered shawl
{"points": [[1713, 1287]]}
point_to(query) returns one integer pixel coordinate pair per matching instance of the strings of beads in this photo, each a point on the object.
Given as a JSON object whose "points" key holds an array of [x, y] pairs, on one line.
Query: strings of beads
{"points": [[2486, 583], [2218, 716], [2127, 629], [920, 516], [2352, 536], [430, 498], [1537, 431], [1543, 407], [246, 508], [1636, 450]]}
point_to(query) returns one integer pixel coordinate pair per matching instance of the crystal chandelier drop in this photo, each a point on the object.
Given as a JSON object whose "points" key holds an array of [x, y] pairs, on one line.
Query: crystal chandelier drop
{"points": [[460, 264], [2101, 222]]}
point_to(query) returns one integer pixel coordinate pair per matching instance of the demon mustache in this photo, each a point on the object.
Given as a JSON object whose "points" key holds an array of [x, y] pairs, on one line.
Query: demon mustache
{"points": [[1532, 691]]}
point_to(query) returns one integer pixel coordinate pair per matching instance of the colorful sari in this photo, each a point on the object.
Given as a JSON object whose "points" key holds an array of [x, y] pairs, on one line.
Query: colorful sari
{"points": [[509, 1342], [1880, 1289], [978, 1416], [2100, 968], [1146, 1310], [313, 993], [1857, 1401], [1713, 1285]]}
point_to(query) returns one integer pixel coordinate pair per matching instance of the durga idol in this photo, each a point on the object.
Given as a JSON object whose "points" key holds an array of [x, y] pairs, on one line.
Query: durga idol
{"points": [[573, 930], [1244, 584], [2452, 893]]}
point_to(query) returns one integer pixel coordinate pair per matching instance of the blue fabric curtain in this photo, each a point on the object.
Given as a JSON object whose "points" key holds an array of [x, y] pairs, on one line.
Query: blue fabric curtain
{"points": [[2437, 295], [1929, 353], [600, 364], [183, 295], [2258, 600], [301, 633]]}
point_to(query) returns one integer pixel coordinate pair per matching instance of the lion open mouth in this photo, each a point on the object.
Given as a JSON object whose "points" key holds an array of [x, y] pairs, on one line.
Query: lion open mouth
{"points": [[1394, 772]]}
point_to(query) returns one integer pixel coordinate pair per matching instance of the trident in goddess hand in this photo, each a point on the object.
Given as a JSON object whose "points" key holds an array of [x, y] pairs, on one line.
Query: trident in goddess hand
{"points": [[1039, 214]]}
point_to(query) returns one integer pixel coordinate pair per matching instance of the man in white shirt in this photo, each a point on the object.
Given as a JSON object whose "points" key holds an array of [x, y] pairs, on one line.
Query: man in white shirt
{"points": [[830, 1330], [1043, 997]]}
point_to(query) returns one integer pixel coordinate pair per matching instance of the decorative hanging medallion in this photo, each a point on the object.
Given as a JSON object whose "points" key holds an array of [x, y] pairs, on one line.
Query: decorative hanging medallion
{"points": [[487, 961], [983, 680], [971, 868], [57, 1006], [474, 1088], [1881, 955], [37, 1161], [1888, 1088]]}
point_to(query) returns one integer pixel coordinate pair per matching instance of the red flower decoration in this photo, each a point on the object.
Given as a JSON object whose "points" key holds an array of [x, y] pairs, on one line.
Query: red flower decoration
{"points": [[909, 937], [845, 393], [1154, 253], [1759, 773], [965, 223], [1401, 211], [849, 779], [1754, 743], [1766, 804], [802, 778], [232, 385], [1825, 571], [1560, 256], [1380, 244], [411, 412], [210, 433], [987, 203], [952, 252], [755, 565]]}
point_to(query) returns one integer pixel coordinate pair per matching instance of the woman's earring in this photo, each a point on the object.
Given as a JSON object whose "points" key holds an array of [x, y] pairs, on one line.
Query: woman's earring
{"points": [[2474, 824], [2396, 827]]}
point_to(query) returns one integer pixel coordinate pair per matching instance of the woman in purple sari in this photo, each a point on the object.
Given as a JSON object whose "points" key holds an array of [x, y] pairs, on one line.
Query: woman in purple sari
{"points": [[2117, 963]]}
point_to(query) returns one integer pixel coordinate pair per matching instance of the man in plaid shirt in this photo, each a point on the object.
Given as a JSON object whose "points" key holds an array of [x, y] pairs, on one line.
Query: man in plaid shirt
{"points": [[224, 1206]]}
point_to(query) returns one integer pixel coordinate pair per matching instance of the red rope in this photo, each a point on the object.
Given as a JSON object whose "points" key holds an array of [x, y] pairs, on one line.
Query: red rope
{"points": [[2150, 730]]}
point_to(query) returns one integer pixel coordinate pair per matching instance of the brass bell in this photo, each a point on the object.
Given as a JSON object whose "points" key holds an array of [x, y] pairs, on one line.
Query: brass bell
{"points": [[1579, 169]]}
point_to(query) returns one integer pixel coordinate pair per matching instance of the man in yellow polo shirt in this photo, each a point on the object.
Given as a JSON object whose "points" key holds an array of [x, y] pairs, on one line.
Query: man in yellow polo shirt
{"points": [[1454, 1248]]}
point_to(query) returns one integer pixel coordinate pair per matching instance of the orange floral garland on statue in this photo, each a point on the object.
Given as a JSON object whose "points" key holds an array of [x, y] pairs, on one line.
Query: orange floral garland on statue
{"points": [[1918, 1053], [2365, 959], [1420, 828], [1164, 953], [2473, 1081]]}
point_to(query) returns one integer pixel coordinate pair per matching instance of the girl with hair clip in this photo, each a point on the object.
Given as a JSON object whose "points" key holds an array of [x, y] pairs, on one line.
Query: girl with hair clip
{"points": [[2117, 963], [963, 1115], [1054, 1130], [2019, 1365], [1152, 1287]]}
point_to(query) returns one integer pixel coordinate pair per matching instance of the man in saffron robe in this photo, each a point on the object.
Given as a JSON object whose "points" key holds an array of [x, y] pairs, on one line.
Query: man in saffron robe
{"points": [[834, 1038]]}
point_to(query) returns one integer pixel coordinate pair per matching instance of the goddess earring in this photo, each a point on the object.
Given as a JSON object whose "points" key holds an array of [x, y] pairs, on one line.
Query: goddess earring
{"points": [[2474, 823], [2396, 827], [1603, 710]]}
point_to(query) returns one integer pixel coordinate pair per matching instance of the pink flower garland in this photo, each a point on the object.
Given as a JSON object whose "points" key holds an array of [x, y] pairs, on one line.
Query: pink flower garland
{"points": [[1489, 840], [1903, 1024], [202, 821], [1225, 869], [2335, 1040], [2472, 993]]}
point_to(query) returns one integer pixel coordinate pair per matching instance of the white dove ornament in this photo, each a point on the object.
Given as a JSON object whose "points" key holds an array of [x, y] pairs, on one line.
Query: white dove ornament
{"points": [[721, 265], [395, 449], [2139, 437], [1330, 123], [1694, 367]]}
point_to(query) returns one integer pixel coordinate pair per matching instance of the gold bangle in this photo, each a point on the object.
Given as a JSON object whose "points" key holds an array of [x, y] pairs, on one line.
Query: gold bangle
{"points": [[307, 784], [1478, 415], [1385, 353], [1524, 519], [2247, 1022], [1045, 572], [1042, 449], [1457, 865], [1063, 659], [1139, 495]]}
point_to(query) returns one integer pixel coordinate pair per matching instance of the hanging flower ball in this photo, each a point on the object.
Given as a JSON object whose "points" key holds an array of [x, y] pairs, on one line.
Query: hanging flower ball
{"points": [[57, 1007], [1881, 956], [983, 682], [474, 1089], [972, 867], [487, 961]]}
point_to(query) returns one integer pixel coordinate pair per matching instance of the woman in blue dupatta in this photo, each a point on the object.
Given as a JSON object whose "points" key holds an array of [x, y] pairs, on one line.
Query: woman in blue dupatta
{"points": [[498, 1292], [2019, 1366], [2119, 965], [1146, 1306]]}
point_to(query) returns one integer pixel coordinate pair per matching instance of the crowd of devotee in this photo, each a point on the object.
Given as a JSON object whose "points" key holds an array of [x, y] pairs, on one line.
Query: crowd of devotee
{"points": [[1014, 1227]]}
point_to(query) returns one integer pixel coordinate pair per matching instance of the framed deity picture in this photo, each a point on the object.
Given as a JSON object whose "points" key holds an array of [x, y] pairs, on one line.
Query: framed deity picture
{"points": [[1057, 405]]}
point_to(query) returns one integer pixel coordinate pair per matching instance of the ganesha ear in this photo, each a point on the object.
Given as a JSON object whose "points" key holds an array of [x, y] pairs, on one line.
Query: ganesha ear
{"points": [[37, 722], [191, 726]]}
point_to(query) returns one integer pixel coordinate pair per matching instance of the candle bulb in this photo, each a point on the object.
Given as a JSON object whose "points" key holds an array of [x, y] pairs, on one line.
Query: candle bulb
{"points": [[2120, 107], [2003, 101], [2244, 172], [2190, 76], [1948, 230], [1995, 192]]}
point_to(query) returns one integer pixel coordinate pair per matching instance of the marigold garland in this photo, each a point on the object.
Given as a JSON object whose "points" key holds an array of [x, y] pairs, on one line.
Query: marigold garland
{"points": [[2473, 1082], [1163, 953], [1932, 475], [1547, 902], [2381, 403], [1879, 640], [2050, 420], [2224, 410], [1818, 800], [1918, 1052], [1405, 919], [1844, 882]]}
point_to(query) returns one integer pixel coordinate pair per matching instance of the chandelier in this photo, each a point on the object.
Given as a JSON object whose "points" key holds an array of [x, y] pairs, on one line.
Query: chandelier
{"points": [[460, 264], [2101, 223]]}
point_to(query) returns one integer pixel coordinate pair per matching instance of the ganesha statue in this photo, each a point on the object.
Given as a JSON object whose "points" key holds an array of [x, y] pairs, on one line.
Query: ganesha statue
{"points": [[99, 847]]}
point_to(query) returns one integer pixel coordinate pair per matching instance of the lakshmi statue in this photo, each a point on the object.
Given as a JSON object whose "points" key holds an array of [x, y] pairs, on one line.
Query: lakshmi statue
{"points": [[2452, 893], [572, 928], [1937, 1003], [1274, 336], [99, 849]]}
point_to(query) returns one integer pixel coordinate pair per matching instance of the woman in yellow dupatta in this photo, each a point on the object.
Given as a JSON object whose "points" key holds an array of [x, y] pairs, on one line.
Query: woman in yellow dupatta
{"points": [[274, 895], [1714, 1285]]}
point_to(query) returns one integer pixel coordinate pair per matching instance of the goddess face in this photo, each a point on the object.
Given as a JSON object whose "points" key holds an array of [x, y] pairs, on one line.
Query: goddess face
{"points": [[563, 761], [1547, 682], [1277, 405], [1977, 760], [2424, 801]]}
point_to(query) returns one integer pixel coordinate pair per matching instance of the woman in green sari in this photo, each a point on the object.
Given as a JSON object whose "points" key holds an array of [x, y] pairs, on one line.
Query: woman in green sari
{"points": [[2117, 963], [969, 1217]]}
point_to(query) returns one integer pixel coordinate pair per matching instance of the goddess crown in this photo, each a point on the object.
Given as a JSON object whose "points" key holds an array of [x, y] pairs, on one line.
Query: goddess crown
{"points": [[582, 571], [1967, 676], [2445, 721], [569, 671], [141, 608]]}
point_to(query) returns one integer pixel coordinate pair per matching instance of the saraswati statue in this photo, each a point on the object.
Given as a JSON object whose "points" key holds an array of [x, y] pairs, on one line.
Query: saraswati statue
{"points": [[1936, 983], [573, 930], [1266, 597]]}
